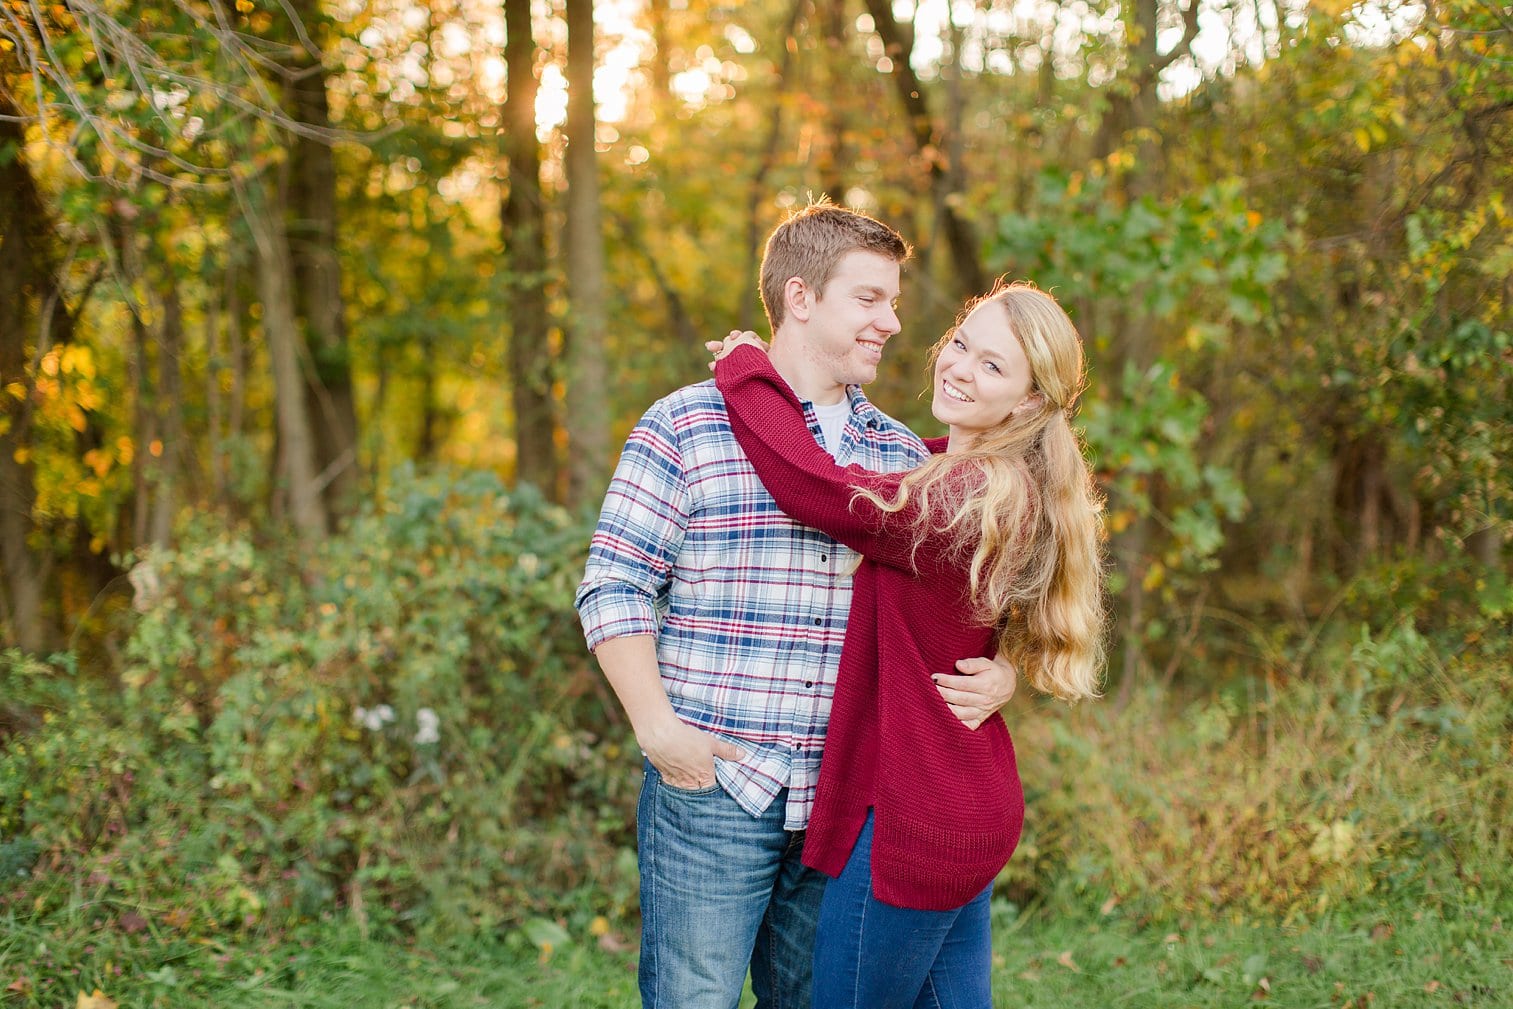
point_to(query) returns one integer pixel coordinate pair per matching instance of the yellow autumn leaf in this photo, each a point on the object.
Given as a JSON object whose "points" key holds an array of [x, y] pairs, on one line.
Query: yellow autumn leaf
{"points": [[99, 1000], [78, 360], [97, 461], [155, 447], [1333, 842]]}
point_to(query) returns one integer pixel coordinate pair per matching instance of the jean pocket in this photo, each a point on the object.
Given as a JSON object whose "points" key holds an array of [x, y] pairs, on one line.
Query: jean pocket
{"points": [[687, 793]]}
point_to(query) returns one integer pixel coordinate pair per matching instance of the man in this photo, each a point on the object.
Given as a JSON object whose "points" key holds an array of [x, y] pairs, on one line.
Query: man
{"points": [[719, 621]]}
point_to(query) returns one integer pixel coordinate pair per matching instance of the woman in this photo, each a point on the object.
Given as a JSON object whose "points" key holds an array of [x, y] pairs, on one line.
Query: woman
{"points": [[992, 542]]}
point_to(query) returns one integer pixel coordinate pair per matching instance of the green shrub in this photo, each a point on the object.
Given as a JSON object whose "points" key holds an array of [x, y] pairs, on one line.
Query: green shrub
{"points": [[405, 724], [1332, 771]]}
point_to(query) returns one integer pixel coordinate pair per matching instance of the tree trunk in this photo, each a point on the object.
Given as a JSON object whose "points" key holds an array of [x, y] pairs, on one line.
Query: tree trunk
{"points": [[685, 333], [25, 281], [317, 274], [833, 155], [296, 434], [523, 220], [237, 353], [929, 141], [587, 371], [169, 402], [757, 192], [658, 14], [143, 430]]}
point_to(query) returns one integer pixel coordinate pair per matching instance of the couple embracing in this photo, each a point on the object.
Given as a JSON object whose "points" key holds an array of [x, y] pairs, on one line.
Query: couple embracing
{"points": [[812, 617]]}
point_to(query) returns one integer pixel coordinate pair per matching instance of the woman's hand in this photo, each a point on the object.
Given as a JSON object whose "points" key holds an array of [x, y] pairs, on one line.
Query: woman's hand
{"points": [[737, 337]]}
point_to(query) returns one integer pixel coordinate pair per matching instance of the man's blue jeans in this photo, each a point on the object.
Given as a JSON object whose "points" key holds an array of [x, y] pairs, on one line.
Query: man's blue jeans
{"points": [[721, 890], [871, 955]]}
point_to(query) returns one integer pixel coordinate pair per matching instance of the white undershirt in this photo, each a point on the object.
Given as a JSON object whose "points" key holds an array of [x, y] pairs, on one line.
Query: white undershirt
{"points": [[832, 420]]}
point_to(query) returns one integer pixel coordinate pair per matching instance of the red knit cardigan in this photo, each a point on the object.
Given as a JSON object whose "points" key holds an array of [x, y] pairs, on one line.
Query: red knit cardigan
{"points": [[947, 801]]}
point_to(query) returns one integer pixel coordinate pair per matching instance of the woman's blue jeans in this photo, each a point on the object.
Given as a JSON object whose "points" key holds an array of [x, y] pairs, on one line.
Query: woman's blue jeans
{"points": [[871, 955]]}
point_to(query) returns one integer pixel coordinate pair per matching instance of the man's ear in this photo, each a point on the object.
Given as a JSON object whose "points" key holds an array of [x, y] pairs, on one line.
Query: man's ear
{"points": [[798, 300]]}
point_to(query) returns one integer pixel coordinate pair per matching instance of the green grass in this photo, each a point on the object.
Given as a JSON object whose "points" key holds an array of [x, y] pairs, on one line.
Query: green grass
{"points": [[1372, 956], [1366, 958]]}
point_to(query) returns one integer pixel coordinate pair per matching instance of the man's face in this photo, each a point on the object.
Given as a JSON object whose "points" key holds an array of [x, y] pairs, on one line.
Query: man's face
{"points": [[852, 317]]}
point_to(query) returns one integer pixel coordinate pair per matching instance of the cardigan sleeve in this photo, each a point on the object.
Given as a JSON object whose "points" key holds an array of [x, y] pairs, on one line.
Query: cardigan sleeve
{"points": [[805, 481]]}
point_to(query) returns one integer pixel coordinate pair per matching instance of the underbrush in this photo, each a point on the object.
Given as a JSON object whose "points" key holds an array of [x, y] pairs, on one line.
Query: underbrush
{"points": [[1363, 761], [404, 726], [401, 736]]}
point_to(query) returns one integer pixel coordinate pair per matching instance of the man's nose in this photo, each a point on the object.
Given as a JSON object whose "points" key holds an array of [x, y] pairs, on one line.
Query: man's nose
{"points": [[889, 323]]}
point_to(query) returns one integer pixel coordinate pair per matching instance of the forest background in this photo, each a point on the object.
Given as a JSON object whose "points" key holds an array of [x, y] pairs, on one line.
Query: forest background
{"points": [[320, 327]]}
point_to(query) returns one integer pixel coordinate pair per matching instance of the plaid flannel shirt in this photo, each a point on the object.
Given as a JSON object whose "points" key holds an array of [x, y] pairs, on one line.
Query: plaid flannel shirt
{"points": [[748, 607]]}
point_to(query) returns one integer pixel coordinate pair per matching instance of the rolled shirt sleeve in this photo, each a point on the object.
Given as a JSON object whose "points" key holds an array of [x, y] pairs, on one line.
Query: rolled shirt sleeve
{"points": [[640, 533]]}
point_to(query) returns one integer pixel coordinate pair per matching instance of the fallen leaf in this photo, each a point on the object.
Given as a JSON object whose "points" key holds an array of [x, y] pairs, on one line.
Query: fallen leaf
{"points": [[98, 1000], [131, 923], [20, 986], [1382, 931], [1312, 964], [1172, 937], [1119, 961], [1109, 905], [612, 943], [1431, 987], [1065, 959]]}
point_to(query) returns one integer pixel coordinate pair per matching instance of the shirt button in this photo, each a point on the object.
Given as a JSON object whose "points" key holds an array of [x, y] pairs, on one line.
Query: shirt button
{"points": [[818, 622], [809, 684], [824, 558]]}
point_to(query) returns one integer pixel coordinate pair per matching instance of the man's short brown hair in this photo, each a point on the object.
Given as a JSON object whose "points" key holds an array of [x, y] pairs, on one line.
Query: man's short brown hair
{"points": [[811, 243]]}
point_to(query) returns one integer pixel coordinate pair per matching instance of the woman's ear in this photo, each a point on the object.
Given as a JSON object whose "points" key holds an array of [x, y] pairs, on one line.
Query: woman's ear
{"points": [[797, 299], [1034, 401]]}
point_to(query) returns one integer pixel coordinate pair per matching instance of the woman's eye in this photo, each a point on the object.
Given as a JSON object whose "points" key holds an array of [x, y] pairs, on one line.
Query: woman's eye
{"points": [[958, 344], [992, 366]]}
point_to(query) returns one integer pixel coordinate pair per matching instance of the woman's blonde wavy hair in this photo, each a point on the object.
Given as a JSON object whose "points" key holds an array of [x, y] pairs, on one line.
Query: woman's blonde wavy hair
{"points": [[1033, 524]]}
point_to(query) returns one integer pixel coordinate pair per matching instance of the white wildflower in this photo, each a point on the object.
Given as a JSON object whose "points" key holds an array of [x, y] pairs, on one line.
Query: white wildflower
{"points": [[373, 719], [429, 724]]}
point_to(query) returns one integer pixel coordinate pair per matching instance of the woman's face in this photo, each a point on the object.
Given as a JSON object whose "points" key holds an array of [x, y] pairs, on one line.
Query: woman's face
{"points": [[981, 375]]}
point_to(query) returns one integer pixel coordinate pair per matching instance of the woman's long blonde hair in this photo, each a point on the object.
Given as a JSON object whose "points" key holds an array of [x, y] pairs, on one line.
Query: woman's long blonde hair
{"points": [[1033, 523]]}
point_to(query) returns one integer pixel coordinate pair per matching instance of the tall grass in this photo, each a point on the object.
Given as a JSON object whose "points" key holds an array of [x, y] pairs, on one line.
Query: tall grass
{"points": [[1380, 764]]}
